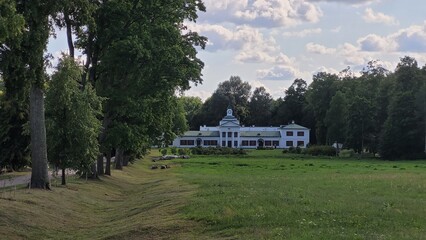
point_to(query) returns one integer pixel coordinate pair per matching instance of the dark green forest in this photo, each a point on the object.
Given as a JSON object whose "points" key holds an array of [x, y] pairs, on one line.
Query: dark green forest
{"points": [[375, 111]]}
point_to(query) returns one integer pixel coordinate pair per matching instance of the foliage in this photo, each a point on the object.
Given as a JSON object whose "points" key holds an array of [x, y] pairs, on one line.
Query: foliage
{"points": [[72, 119], [292, 107], [192, 106], [335, 119], [156, 59], [403, 133], [321, 150], [11, 22], [217, 151], [183, 151], [319, 95], [260, 107], [346, 153], [234, 93]]}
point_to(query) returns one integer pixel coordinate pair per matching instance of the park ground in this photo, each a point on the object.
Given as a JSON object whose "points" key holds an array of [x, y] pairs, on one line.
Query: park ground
{"points": [[263, 195]]}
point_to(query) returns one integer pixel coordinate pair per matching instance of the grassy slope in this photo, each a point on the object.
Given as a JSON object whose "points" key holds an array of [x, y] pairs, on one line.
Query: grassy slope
{"points": [[134, 204], [260, 196], [268, 197]]}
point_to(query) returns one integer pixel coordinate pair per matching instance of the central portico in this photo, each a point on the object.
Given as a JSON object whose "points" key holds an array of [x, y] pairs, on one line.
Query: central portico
{"points": [[229, 128]]}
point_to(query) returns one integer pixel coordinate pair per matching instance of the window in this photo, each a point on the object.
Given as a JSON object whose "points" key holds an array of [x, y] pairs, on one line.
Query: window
{"points": [[300, 134], [223, 134], [223, 144], [252, 143], [289, 143], [235, 134], [289, 133], [230, 144], [276, 143], [210, 142], [187, 142], [300, 143], [268, 143], [229, 134], [235, 143], [244, 143]]}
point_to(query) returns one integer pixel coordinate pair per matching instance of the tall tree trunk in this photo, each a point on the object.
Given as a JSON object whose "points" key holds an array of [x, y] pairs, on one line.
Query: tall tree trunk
{"points": [[119, 159], [93, 174], [126, 160], [69, 33], [108, 163], [63, 177], [39, 173], [100, 165]]}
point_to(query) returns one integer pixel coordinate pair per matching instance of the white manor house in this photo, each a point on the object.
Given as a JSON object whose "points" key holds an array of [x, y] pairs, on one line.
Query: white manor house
{"points": [[230, 133]]}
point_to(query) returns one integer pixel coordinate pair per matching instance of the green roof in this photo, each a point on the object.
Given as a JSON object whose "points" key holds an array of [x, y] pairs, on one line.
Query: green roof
{"points": [[294, 126], [260, 134], [201, 134]]}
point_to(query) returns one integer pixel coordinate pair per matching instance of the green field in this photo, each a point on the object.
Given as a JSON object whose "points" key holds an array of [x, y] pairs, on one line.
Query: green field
{"points": [[263, 195]]}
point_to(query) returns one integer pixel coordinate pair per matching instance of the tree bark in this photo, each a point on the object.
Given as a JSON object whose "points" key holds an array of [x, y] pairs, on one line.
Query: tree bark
{"points": [[108, 163], [69, 33], [126, 160], [93, 171], [119, 159], [100, 166], [63, 177], [39, 172]]}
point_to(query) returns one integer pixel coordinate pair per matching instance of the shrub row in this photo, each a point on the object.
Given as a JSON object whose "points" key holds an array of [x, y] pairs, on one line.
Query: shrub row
{"points": [[217, 151], [175, 151], [315, 150]]}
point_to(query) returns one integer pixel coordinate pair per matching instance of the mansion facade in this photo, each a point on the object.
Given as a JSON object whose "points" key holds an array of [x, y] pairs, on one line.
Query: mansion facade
{"points": [[230, 133]]}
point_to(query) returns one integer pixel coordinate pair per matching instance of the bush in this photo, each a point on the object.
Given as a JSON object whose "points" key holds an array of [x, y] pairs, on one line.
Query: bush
{"points": [[321, 150], [346, 153], [217, 151], [264, 148], [295, 150], [183, 151], [164, 151], [173, 150]]}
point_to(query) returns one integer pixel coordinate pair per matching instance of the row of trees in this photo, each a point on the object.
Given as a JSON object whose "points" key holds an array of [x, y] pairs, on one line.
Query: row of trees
{"points": [[138, 54], [375, 111]]}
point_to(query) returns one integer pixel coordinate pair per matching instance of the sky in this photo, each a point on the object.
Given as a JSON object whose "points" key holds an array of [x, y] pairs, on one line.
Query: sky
{"points": [[270, 43]]}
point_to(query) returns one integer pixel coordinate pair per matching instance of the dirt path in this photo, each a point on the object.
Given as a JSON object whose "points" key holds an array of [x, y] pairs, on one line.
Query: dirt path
{"points": [[22, 180]]}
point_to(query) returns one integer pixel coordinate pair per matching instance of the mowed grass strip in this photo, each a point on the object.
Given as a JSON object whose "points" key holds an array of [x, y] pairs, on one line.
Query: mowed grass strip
{"points": [[266, 195], [136, 203]]}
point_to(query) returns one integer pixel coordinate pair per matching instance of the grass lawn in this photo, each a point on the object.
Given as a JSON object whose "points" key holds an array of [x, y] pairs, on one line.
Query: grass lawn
{"points": [[264, 195]]}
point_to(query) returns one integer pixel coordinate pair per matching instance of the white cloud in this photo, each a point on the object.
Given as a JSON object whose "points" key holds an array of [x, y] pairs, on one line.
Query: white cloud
{"points": [[319, 49], [336, 29], [325, 69], [198, 93], [251, 45], [351, 2], [278, 73], [377, 17], [271, 13], [411, 39], [303, 33], [373, 42]]}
